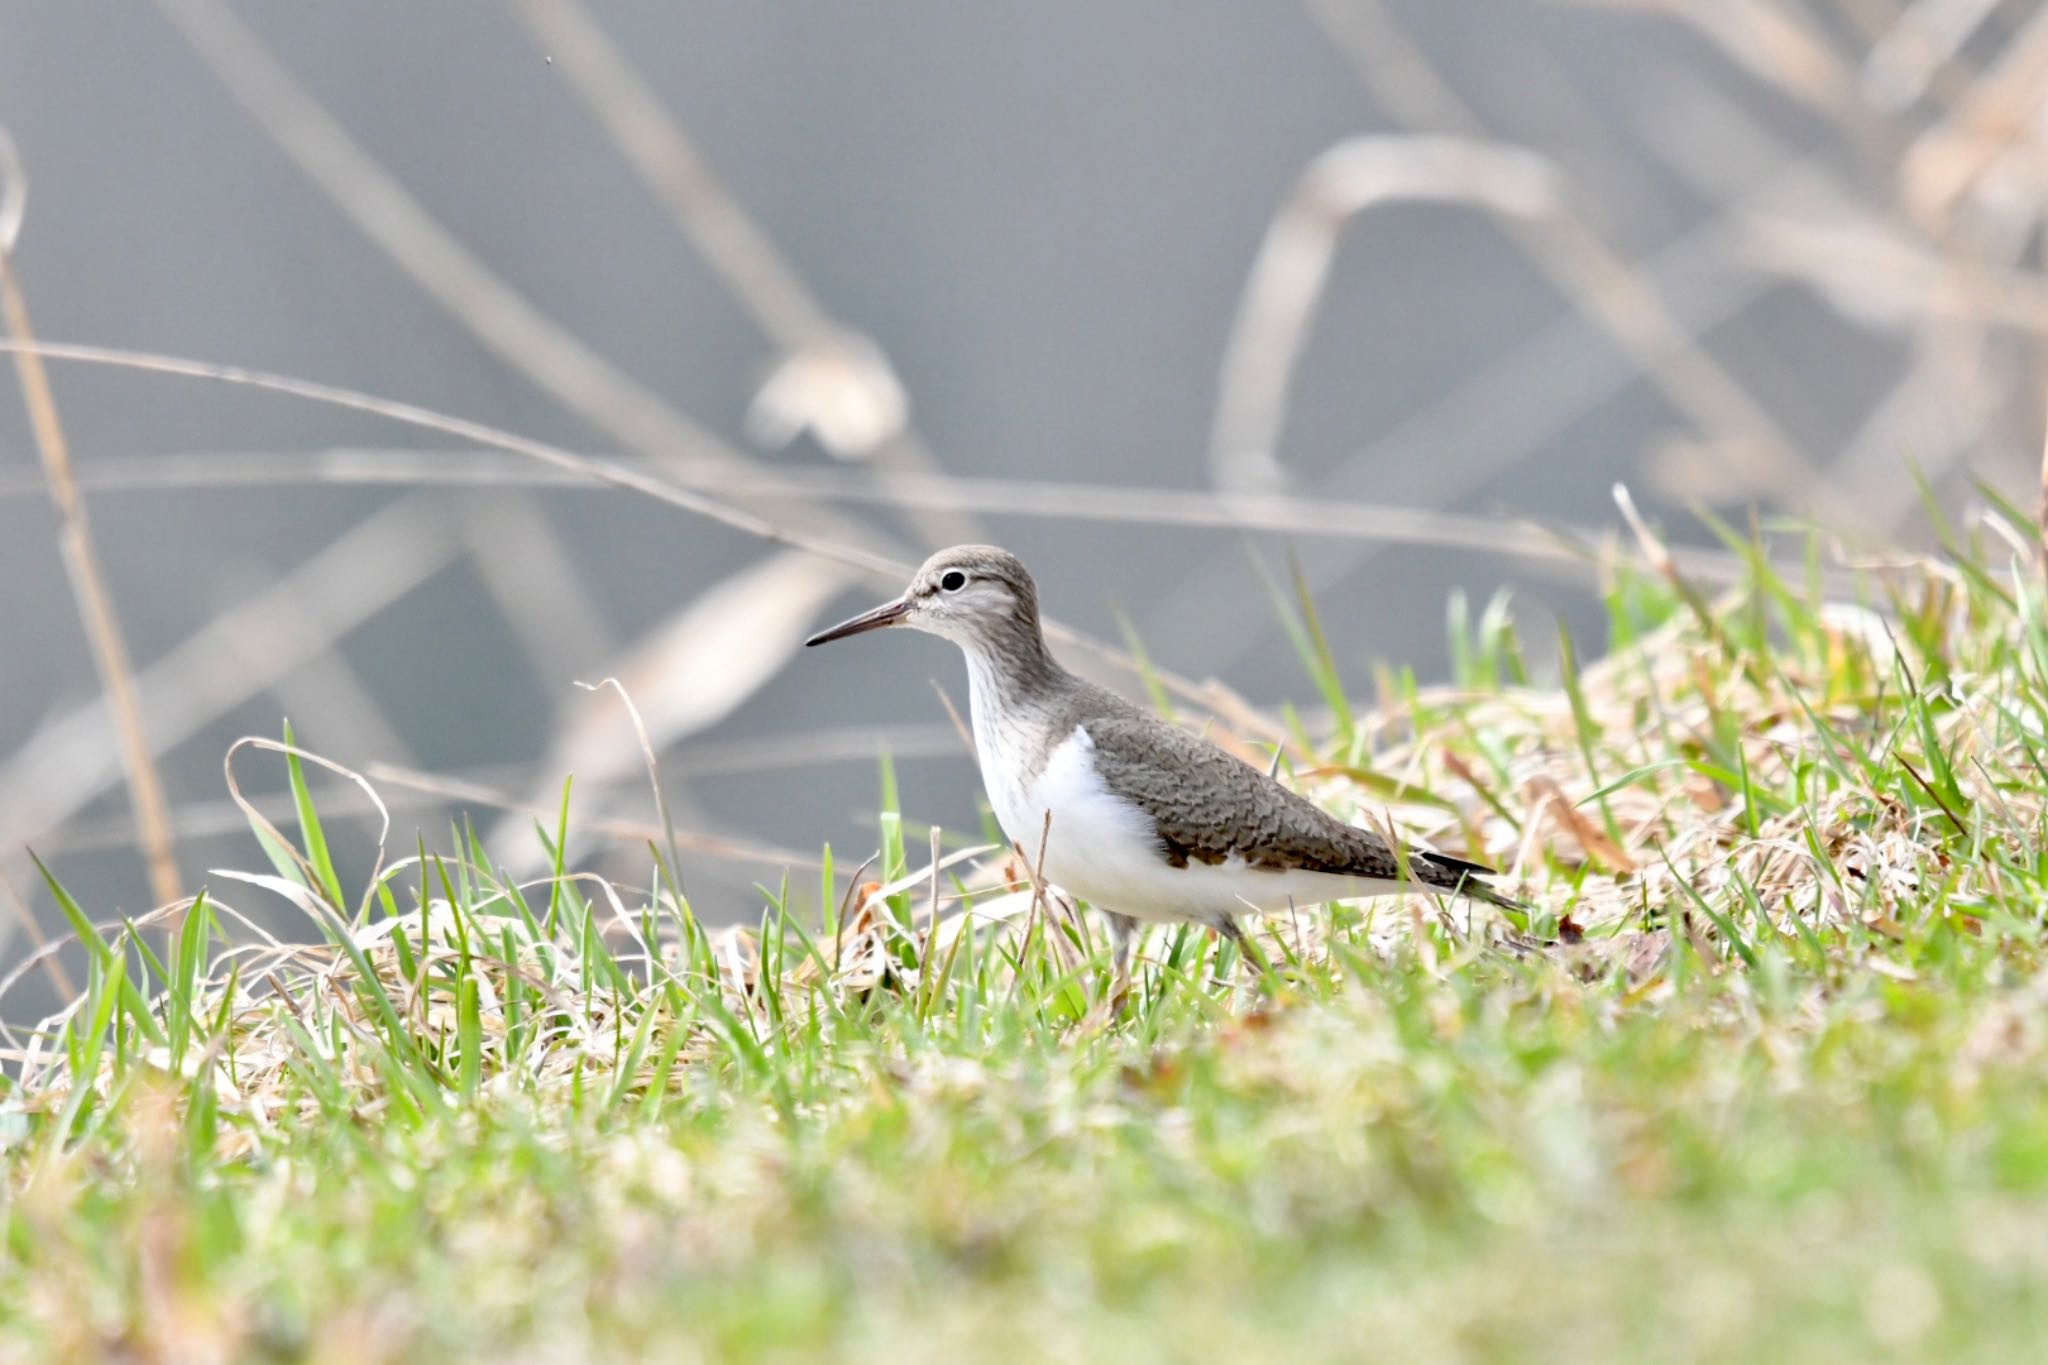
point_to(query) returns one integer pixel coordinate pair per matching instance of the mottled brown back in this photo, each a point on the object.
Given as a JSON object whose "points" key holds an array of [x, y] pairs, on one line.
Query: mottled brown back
{"points": [[1209, 806]]}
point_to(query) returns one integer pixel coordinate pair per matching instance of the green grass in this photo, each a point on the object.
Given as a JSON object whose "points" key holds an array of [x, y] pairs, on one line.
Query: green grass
{"points": [[1762, 1074]]}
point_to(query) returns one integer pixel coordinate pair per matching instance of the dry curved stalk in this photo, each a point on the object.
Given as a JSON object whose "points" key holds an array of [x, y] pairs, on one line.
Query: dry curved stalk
{"points": [[258, 820], [1597, 280], [1279, 301]]}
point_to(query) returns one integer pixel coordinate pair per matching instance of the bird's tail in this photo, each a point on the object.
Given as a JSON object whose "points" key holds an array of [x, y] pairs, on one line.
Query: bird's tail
{"points": [[1460, 878]]}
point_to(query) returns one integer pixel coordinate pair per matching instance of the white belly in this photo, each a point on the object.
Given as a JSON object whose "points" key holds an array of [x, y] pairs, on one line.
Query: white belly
{"points": [[1105, 850]]}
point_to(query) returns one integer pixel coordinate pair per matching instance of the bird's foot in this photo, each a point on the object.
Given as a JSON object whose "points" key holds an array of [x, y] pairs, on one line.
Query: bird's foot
{"points": [[1109, 1006], [1227, 928]]}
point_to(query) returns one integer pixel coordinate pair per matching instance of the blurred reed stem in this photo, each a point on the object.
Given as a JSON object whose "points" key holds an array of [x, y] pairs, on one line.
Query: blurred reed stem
{"points": [[89, 591]]}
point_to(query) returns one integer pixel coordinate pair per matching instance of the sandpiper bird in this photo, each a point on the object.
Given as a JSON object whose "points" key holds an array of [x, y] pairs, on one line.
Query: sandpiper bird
{"points": [[1148, 821]]}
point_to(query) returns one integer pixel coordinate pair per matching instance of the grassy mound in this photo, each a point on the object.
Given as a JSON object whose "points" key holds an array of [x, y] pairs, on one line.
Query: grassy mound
{"points": [[1759, 1075]]}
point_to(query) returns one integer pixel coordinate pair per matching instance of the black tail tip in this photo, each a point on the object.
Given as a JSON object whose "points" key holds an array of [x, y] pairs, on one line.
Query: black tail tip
{"points": [[1456, 867], [1463, 878]]}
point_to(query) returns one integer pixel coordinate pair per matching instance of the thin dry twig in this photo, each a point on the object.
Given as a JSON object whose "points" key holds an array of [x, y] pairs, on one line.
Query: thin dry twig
{"points": [[668, 824], [604, 471], [88, 585], [1033, 920], [26, 918], [953, 715], [1571, 547]]}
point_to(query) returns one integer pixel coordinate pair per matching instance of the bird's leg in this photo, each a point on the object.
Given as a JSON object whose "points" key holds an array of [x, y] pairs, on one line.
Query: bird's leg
{"points": [[1225, 924], [1123, 936], [1123, 933]]}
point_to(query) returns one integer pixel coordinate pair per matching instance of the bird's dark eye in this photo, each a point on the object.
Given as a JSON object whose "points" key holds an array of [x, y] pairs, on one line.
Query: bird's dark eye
{"points": [[953, 580]]}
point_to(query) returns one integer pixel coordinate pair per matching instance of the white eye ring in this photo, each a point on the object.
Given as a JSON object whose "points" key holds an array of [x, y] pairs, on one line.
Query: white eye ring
{"points": [[952, 580]]}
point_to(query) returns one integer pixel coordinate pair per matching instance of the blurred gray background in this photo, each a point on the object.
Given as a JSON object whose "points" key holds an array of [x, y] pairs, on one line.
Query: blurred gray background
{"points": [[1777, 251]]}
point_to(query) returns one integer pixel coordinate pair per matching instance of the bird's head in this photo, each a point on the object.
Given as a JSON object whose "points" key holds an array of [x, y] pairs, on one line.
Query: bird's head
{"points": [[971, 594]]}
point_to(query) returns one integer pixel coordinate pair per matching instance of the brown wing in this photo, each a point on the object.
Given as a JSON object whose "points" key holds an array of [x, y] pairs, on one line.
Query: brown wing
{"points": [[1209, 806]]}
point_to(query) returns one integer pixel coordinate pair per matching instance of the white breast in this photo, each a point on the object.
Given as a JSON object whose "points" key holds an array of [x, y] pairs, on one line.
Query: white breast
{"points": [[1098, 846]]}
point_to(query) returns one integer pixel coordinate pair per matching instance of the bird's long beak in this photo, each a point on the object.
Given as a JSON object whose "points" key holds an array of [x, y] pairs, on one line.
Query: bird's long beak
{"points": [[888, 614]]}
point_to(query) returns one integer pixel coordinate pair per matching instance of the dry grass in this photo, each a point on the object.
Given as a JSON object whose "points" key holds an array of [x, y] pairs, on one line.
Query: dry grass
{"points": [[1783, 945]]}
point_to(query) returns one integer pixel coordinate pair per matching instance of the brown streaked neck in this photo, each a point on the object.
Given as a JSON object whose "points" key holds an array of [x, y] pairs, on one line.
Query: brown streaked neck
{"points": [[1009, 666]]}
